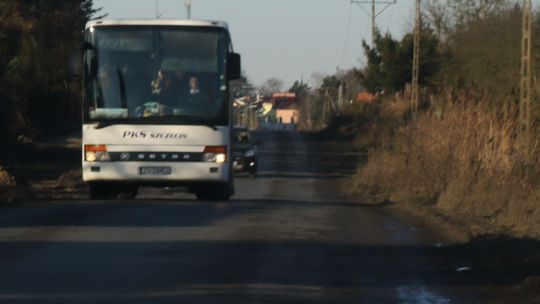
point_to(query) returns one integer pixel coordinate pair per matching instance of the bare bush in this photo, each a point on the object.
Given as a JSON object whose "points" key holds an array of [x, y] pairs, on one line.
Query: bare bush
{"points": [[6, 179], [468, 161]]}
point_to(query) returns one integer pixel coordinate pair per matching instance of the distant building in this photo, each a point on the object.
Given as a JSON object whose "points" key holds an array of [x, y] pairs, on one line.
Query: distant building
{"points": [[286, 107], [365, 97], [288, 116], [283, 100], [280, 112]]}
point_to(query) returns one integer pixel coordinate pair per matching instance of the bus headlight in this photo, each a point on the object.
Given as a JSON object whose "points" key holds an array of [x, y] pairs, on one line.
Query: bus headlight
{"points": [[221, 158], [90, 156], [215, 154], [93, 153]]}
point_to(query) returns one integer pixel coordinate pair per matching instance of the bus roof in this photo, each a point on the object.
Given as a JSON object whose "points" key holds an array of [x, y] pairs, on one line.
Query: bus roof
{"points": [[157, 22]]}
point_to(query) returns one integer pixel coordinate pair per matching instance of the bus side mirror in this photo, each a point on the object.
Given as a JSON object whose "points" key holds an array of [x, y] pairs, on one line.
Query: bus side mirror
{"points": [[234, 66]]}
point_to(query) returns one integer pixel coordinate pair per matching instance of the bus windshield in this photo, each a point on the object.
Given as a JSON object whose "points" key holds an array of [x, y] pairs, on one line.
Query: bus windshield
{"points": [[134, 72]]}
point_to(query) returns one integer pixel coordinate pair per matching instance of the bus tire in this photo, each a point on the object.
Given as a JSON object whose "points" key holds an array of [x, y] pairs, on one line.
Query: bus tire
{"points": [[129, 192]]}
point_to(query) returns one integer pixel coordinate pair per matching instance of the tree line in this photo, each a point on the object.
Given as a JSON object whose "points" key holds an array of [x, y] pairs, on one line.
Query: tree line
{"points": [[37, 93], [465, 152], [471, 45]]}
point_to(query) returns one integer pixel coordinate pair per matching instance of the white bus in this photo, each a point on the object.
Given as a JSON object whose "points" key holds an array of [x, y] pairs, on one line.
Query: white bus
{"points": [[156, 107]]}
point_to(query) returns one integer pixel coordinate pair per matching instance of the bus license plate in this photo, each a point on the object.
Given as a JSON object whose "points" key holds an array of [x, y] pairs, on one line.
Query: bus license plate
{"points": [[155, 171]]}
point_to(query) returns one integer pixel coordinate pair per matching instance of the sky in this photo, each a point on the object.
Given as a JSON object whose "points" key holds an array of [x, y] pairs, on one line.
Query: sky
{"points": [[285, 39]]}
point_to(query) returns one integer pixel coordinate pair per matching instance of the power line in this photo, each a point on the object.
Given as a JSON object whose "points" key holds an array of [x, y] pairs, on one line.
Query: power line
{"points": [[158, 15], [374, 13], [390, 19], [347, 32]]}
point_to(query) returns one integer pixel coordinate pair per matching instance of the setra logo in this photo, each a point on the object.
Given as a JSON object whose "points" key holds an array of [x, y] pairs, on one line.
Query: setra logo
{"points": [[125, 156]]}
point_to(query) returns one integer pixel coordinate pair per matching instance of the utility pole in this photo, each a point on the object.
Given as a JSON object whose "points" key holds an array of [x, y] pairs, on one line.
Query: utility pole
{"points": [[373, 23], [188, 8], [415, 88], [251, 115], [326, 107], [525, 99], [158, 15], [340, 98], [374, 14], [248, 115]]}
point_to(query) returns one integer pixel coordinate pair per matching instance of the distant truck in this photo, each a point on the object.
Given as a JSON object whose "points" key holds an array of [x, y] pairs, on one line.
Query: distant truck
{"points": [[156, 106]]}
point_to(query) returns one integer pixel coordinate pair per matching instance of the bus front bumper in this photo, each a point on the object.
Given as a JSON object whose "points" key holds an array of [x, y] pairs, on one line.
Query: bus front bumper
{"points": [[155, 172]]}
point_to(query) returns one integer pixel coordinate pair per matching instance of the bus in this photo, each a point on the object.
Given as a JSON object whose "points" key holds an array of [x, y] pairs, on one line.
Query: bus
{"points": [[156, 107]]}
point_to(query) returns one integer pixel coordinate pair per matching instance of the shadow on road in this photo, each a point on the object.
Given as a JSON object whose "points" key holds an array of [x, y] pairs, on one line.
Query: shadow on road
{"points": [[190, 264], [244, 271]]}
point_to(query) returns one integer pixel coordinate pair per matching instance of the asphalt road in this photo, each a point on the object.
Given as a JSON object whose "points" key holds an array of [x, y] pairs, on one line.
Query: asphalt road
{"points": [[288, 236]]}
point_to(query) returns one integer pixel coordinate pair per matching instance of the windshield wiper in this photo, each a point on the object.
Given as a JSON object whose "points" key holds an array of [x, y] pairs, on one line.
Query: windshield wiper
{"points": [[106, 123], [110, 122]]}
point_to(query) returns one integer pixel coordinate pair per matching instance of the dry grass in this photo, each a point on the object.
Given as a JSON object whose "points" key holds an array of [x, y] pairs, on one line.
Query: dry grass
{"points": [[465, 160], [6, 179], [8, 186]]}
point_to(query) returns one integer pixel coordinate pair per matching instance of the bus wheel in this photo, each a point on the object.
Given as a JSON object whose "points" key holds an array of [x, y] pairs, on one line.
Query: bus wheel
{"points": [[129, 192], [103, 191], [219, 192]]}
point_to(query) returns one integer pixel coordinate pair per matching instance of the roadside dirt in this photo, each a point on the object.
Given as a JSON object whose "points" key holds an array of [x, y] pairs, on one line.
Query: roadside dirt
{"points": [[43, 170], [511, 263]]}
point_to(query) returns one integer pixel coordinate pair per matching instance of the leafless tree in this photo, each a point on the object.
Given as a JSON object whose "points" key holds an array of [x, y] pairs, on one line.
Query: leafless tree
{"points": [[437, 14], [465, 11], [271, 85], [318, 77]]}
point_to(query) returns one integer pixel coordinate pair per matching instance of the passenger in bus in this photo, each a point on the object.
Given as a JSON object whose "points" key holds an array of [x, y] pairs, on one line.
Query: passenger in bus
{"points": [[195, 98], [165, 89], [159, 84]]}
